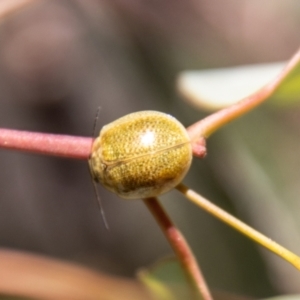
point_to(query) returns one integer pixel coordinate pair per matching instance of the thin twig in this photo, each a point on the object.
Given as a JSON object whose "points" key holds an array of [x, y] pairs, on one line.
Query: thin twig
{"points": [[240, 226], [46, 144], [205, 127], [181, 248]]}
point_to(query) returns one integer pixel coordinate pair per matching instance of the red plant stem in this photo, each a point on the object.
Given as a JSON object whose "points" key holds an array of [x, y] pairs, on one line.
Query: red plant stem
{"points": [[181, 248], [80, 147], [208, 125], [47, 144], [59, 145]]}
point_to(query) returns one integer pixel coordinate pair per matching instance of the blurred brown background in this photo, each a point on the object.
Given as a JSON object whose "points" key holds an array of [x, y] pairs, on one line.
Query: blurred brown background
{"points": [[60, 60]]}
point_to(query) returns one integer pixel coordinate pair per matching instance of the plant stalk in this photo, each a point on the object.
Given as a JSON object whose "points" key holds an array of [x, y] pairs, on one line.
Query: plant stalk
{"points": [[240, 226], [46, 144], [181, 248], [207, 126]]}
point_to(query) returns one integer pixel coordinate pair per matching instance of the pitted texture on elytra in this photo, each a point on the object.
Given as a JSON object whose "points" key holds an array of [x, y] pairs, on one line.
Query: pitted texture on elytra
{"points": [[141, 155]]}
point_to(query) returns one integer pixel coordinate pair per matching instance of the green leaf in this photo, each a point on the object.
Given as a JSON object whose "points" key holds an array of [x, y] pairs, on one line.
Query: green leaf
{"points": [[218, 88], [166, 280], [289, 90]]}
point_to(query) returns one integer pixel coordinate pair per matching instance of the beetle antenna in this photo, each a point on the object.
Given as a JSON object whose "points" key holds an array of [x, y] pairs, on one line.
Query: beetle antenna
{"points": [[99, 202], [96, 121], [100, 206]]}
